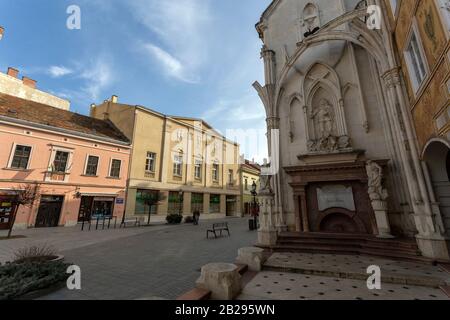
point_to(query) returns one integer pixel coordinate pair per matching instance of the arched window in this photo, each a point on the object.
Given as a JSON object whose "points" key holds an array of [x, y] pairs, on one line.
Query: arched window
{"points": [[311, 21]]}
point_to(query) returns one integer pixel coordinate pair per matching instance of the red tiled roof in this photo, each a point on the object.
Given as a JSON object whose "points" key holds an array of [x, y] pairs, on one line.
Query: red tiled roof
{"points": [[38, 113]]}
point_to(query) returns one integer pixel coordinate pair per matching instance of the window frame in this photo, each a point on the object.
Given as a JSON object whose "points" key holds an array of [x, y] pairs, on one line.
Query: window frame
{"points": [[198, 165], [87, 164], [150, 167], [415, 84], [230, 177], [110, 168], [178, 165], [215, 172], [13, 152]]}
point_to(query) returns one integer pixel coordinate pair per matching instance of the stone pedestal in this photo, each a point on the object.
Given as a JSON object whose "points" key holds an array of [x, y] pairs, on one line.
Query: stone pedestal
{"points": [[381, 216], [222, 279], [252, 257], [267, 237]]}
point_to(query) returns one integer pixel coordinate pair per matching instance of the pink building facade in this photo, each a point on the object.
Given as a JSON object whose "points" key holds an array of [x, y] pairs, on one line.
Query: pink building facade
{"points": [[79, 164]]}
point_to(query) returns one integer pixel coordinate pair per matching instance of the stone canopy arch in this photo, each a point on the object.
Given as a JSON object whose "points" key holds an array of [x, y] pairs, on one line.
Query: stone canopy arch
{"points": [[358, 34]]}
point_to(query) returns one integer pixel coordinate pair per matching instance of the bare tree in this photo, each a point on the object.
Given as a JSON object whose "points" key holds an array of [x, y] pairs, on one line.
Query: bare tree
{"points": [[24, 195]]}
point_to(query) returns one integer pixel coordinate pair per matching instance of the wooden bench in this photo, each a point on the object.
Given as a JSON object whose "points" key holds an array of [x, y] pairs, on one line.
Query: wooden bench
{"points": [[218, 227], [136, 222]]}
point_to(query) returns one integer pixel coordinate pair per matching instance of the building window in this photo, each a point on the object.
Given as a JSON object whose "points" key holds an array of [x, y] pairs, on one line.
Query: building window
{"points": [[150, 162], [92, 166], [21, 157], [230, 177], [60, 162], [178, 166], [197, 202], [175, 202], [415, 60], [246, 184], [198, 169], [214, 203], [115, 168], [215, 172]]}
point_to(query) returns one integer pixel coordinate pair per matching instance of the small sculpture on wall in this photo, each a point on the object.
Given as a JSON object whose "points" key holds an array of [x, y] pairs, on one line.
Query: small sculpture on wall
{"points": [[323, 115], [375, 175]]}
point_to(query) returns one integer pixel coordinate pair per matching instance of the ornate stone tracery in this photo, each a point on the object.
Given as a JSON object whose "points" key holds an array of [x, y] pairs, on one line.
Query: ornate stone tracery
{"points": [[324, 118]]}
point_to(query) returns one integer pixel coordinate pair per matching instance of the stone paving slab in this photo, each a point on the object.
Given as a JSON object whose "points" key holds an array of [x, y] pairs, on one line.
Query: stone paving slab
{"points": [[65, 238], [355, 267], [268, 285], [160, 263]]}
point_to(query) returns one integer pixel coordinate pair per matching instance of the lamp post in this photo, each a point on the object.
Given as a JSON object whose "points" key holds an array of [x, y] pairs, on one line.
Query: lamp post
{"points": [[254, 207]]}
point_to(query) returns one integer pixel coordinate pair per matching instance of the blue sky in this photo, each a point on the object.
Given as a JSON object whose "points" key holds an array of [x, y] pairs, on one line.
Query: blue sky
{"points": [[194, 58]]}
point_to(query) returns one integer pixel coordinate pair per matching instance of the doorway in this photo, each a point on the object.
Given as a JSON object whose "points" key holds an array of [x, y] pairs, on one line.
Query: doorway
{"points": [[231, 206], [437, 157], [49, 211]]}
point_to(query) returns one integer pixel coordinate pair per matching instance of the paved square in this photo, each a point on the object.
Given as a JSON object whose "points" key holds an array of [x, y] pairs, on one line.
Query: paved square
{"points": [[153, 262]]}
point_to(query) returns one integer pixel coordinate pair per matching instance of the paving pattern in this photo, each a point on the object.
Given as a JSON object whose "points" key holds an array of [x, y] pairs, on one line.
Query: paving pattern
{"points": [[268, 285], [158, 263], [355, 267]]}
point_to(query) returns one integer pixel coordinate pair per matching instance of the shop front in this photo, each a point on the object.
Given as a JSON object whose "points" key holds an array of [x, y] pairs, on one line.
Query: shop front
{"points": [[92, 207], [7, 208]]}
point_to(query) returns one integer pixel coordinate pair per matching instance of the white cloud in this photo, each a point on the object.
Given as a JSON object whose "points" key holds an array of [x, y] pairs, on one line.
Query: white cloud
{"points": [[172, 66], [183, 27], [59, 71], [98, 75], [242, 120]]}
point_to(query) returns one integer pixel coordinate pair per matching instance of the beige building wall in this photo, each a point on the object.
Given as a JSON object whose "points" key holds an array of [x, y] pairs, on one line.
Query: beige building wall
{"points": [[26, 89], [168, 137]]}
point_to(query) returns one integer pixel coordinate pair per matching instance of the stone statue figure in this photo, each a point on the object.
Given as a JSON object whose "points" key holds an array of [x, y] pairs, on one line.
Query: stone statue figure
{"points": [[265, 186], [375, 174], [323, 114]]}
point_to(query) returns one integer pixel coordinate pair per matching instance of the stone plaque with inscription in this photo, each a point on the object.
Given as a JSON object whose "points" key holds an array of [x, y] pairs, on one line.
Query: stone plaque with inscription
{"points": [[335, 196]]}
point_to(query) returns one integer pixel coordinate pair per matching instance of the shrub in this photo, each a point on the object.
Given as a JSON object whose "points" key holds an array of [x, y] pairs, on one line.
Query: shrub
{"points": [[174, 218], [35, 254], [18, 279]]}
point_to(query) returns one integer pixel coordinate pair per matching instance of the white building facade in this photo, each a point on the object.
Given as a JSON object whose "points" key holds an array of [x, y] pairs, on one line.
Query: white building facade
{"points": [[348, 159]]}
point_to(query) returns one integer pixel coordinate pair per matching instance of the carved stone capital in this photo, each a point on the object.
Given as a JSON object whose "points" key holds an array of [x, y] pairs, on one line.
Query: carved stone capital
{"points": [[273, 123], [392, 78]]}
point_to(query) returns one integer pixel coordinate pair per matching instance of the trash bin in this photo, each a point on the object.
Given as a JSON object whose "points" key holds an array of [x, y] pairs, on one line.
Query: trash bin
{"points": [[251, 224]]}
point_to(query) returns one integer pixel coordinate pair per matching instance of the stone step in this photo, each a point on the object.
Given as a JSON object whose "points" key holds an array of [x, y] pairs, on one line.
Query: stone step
{"points": [[350, 244], [308, 248], [399, 276]]}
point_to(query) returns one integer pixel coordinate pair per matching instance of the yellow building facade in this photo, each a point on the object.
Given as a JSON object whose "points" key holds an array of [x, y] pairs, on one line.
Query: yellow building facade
{"points": [[249, 173], [183, 162], [420, 30]]}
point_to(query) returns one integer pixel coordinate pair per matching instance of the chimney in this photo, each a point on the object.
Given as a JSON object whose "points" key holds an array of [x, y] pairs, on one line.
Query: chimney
{"points": [[29, 82], [2, 31], [92, 110], [12, 72], [114, 99]]}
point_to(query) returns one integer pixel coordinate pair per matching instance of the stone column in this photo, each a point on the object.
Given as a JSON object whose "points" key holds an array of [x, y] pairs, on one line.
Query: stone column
{"points": [[187, 199], [223, 204], [267, 233], [206, 203], [163, 206], [304, 211]]}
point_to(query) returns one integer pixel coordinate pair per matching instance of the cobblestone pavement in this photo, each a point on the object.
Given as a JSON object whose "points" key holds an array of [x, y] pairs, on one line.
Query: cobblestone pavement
{"points": [[163, 262], [268, 285]]}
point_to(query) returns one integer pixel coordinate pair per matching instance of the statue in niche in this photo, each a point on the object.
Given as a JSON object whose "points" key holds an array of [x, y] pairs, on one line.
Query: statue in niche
{"points": [[323, 115], [326, 139], [375, 174]]}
